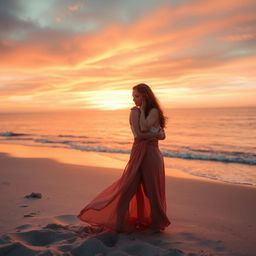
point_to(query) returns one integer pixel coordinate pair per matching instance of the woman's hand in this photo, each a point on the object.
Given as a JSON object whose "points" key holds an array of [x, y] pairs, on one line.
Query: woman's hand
{"points": [[161, 134], [143, 105]]}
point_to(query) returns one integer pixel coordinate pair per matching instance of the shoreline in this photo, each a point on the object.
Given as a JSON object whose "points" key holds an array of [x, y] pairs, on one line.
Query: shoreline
{"points": [[207, 216], [95, 159]]}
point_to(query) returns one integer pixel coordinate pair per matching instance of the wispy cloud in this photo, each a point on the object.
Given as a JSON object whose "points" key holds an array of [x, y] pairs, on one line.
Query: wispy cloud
{"points": [[75, 7], [180, 48]]}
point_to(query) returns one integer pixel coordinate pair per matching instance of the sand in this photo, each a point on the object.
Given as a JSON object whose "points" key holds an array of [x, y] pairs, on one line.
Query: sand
{"points": [[208, 217]]}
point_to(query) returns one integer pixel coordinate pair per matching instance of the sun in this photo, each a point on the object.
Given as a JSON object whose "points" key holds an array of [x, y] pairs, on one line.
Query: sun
{"points": [[107, 99]]}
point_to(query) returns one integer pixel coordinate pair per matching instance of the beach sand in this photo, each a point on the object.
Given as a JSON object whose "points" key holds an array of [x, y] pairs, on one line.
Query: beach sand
{"points": [[207, 217]]}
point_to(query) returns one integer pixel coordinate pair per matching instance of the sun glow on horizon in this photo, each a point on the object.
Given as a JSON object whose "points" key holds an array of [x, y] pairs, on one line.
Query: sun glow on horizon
{"points": [[105, 99], [121, 99]]}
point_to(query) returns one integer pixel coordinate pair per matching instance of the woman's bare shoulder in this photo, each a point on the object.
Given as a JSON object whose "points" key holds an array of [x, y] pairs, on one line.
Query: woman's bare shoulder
{"points": [[135, 110]]}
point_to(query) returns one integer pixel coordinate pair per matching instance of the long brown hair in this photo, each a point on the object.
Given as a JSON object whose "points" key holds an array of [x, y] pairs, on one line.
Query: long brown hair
{"points": [[151, 102]]}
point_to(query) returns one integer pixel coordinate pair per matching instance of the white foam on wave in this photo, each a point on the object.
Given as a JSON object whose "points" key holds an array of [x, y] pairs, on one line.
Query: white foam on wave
{"points": [[218, 158], [10, 134], [99, 149], [204, 155]]}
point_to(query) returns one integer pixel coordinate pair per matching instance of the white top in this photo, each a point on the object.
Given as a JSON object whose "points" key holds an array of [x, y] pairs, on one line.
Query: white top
{"points": [[152, 130]]}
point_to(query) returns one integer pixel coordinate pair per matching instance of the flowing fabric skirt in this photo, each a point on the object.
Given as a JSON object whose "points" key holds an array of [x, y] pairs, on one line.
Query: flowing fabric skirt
{"points": [[136, 201]]}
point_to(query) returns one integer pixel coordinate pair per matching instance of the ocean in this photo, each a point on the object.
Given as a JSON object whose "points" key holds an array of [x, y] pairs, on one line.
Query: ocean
{"points": [[216, 143]]}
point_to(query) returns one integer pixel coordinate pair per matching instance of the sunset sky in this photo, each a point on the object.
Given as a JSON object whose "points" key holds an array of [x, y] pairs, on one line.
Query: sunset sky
{"points": [[57, 54]]}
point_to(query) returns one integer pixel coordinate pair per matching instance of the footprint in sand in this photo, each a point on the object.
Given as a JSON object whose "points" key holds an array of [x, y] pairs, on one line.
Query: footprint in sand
{"points": [[6, 183], [32, 214]]}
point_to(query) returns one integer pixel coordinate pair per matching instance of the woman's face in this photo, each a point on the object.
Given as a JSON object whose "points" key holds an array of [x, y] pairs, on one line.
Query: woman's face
{"points": [[137, 97]]}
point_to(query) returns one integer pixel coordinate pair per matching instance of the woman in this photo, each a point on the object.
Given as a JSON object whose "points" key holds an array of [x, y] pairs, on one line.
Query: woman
{"points": [[136, 201]]}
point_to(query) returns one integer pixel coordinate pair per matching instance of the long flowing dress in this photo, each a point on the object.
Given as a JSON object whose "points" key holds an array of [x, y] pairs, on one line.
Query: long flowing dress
{"points": [[135, 201]]}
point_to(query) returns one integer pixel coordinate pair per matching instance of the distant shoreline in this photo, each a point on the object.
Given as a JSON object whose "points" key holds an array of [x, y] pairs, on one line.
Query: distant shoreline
{"points": [[111, 110]]}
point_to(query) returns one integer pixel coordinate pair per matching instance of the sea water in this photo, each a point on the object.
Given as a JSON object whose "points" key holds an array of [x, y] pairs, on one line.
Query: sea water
{"points": [[217, 143]]}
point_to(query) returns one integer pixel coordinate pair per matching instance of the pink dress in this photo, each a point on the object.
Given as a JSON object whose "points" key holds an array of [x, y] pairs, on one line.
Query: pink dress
{"points": [[135, 201]]}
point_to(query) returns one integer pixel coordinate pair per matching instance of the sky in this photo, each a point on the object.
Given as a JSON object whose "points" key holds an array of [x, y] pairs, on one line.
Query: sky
{"points": [[57, 54]]}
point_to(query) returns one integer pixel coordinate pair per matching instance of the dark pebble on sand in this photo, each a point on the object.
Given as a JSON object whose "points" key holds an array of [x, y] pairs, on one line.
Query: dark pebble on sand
{"points": [[34, 195], [28, 215]]}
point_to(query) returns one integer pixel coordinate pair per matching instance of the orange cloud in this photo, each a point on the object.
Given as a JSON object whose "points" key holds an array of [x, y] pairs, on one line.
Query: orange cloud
{"points": [[58, 19], [193, 49], [238, 37], [75, 7]]}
